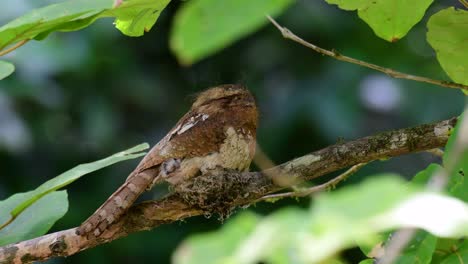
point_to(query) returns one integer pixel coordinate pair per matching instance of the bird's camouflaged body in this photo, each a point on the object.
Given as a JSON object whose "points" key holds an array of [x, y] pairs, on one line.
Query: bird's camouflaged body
{"points": [[219, 131]]}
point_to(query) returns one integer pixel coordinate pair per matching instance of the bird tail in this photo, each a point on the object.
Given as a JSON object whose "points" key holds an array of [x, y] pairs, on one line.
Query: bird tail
{"points": [[117, 204]]}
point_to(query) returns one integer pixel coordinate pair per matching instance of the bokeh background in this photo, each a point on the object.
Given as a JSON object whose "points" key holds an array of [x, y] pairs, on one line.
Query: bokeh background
{"points": [[80, 96]]}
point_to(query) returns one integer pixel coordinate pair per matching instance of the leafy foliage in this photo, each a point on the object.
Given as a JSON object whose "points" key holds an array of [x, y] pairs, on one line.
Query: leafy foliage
{"points": [[424, 247], [6, 69], [66, 16], [419, 250], [458, 185], [390, 19], [54, 206], [133, 18], [452, 251], [203, 27], [36, 219], [381, 203], [207, 247], [447, 34]]}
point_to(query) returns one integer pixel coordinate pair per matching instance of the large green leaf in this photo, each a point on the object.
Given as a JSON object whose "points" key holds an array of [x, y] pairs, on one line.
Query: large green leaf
{"points": [[422, 178], [390, 19], [447, 33], [6, 69], [458, 182], [213, 247], [459, 254], [422, 247], [453, 134], [450, 250], [419, 249], [456, 151], [203, 27], [17, 204], [273, 238], [133, 18], [34, 221]]}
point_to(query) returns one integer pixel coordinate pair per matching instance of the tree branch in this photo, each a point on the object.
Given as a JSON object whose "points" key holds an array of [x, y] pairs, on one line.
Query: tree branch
{"points": [[302, 192], [335, 54], [221, 192]]}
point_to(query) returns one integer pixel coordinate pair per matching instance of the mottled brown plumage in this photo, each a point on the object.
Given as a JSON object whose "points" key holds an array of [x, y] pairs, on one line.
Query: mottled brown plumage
{"points": [[218, 131]]}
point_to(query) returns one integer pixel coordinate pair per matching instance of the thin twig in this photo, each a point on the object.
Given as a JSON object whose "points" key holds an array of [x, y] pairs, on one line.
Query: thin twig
{"points": [[335, 54], [308, 191], [12, 48], [250, 187]]}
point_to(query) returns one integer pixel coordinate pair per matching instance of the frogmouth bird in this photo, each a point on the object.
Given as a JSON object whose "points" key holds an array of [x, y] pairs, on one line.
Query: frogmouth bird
{"points": [[219, 131]]}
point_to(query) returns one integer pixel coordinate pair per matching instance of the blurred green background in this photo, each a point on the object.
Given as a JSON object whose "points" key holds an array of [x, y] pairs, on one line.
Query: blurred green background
{"points": [[76, 97]]}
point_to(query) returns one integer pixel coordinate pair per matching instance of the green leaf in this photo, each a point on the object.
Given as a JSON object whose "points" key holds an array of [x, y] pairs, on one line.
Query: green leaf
{"points": [[68, 26], [29, 198], [6, 69], [244, 238], [136, 17], [450, 251], [458, 184], [396, 190], [447, 34], [36, 220], [459, 255], [133, 17], [424, 243], [423, 177], [273, 238], [453, 134], [203, 27], [367, 261], [53, 16], [355, 214], [214, 246], [419, 250], [390, 19]]}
